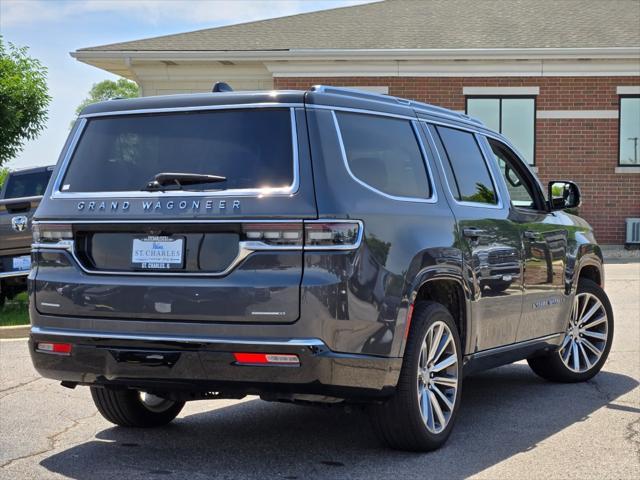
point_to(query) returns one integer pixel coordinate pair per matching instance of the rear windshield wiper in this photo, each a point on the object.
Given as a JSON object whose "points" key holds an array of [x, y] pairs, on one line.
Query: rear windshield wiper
{"points": [[176, 181]]}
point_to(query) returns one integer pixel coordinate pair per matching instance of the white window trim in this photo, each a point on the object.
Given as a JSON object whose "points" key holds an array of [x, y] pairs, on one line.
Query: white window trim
{"points": [[630, 169], [567, 114], [500, 91], [629, 90]]}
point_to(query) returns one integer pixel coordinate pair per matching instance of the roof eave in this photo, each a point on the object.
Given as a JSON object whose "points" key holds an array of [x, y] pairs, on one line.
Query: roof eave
{"points": [[364, 54]]}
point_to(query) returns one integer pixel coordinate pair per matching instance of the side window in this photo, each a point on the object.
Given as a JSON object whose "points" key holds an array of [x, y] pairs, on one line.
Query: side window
{"points": [[384, 153], [469, 172], [520, 191]]}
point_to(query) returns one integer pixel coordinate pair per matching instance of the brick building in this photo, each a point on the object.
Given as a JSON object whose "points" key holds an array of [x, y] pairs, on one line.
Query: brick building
{"points": [[560, 78]]}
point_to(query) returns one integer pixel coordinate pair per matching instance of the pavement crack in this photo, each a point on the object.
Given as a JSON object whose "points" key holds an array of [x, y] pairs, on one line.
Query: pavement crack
{"points": [[633, 434], [598, 388], [4, 390], [52, 440]]}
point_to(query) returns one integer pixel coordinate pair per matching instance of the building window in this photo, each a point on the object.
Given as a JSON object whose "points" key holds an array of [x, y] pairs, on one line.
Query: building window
{"points": [[514, 117], [629, 139]]}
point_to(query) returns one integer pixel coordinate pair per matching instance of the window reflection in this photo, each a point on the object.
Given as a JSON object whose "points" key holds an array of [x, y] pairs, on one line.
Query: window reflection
{"points": [[630, 131]]}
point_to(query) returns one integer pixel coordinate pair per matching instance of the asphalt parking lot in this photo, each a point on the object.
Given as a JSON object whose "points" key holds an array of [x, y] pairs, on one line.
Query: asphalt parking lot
{"points": [[512, 425]]}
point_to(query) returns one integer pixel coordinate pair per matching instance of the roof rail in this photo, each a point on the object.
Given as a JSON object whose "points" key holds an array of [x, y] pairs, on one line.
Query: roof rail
{"points": [[379, 97]]}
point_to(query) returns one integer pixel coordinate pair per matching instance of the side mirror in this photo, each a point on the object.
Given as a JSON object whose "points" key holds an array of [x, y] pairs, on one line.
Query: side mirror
{"points": [[563, 194]]}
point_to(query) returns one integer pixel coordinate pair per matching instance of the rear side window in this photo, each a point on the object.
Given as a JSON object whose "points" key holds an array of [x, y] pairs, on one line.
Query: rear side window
{"points": [[27, 184], [252, 148], [384, 153], [468, 174]]}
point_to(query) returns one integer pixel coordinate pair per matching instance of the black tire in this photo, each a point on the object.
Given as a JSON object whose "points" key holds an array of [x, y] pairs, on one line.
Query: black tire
{"points": [[126, 408], [551, 367], [398, 421]]}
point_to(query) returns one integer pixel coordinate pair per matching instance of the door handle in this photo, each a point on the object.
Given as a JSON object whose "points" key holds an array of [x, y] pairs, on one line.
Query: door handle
{"points": [[528, 234], [473, 233]]}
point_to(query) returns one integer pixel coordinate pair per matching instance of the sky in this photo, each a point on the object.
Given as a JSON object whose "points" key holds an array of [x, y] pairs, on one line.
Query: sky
{"points": [[53, 28]]}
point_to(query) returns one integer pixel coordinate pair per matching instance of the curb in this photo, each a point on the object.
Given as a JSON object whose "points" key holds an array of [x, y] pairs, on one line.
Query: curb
{"points": [[18, 331]]}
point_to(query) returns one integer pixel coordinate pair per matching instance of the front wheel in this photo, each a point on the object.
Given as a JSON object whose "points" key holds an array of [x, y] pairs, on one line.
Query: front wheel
{"points": [[587, 340], [420, 414], [131, 408]]}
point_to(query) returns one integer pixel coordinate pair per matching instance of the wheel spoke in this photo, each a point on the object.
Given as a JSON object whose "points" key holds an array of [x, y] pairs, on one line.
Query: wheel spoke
{"points": [[585, 356], [446, 363], [595, 323], [444, 399], [566, 340], [424, 408], [435, 341], [584, 306], [567, 352], [598, 335], [437, 410], [446, 381], [423, 355], [592, 347], [576, 358], [589, 314], [442, 347], [430, 420]]}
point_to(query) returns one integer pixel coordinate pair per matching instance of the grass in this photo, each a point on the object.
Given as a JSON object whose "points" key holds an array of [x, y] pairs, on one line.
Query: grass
{"points": [[15, 311]]}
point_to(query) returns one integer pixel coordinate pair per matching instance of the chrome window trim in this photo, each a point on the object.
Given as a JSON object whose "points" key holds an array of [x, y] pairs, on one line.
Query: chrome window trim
{"points": [[239, 192], [497, 206], [432, 199], [504, 140], [195, 108], [292, 342], [486, 146]]}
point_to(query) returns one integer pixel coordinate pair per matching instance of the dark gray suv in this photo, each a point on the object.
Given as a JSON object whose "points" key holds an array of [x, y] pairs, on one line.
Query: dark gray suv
{"points": [[322, 246]]}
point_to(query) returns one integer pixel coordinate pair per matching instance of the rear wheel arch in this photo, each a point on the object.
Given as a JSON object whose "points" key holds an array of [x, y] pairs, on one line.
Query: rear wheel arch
{"points": [[449, 292], [592, 272]]}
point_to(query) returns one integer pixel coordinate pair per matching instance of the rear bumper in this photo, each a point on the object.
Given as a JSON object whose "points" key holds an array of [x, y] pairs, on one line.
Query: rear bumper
{"points": [[173, 363]]}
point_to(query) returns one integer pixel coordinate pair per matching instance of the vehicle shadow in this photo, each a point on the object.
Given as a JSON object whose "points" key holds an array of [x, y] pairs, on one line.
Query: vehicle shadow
{"points": [[504, 412]]}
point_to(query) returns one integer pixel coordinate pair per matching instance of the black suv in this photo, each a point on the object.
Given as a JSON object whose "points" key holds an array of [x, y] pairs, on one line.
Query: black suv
{"points": [[328, 245]]}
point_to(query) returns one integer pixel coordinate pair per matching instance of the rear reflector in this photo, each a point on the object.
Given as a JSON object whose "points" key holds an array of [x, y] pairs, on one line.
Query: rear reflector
{"points": [[58, 348], [266, 359]]}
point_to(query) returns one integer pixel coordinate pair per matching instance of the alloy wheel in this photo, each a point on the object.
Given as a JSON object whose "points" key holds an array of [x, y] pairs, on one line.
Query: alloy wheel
{"points": [[586, 338], [437, 377]]}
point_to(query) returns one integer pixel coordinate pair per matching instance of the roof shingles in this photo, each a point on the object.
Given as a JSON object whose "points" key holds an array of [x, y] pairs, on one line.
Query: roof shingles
{"points": [[422, 24]]}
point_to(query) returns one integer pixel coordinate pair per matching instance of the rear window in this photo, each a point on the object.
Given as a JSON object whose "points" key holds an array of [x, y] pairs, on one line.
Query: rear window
{"points": [[251, 148], [27, 184]]}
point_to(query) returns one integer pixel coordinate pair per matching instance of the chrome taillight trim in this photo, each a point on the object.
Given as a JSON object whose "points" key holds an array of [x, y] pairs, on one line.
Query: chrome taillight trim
{"points": [[246, 248]]}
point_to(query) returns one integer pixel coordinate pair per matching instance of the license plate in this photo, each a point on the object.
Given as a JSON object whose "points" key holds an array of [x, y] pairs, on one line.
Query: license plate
{"points": [[157, 253], [22, 263]]}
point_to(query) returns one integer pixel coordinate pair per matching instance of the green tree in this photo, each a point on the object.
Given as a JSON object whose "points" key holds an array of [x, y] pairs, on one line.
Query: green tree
{"points": [[4, 171], [24, 99], [106, 89]]}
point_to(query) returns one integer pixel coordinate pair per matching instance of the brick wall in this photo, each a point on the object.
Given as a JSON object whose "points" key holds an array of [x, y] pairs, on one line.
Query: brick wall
{"points": [[584, 150]]}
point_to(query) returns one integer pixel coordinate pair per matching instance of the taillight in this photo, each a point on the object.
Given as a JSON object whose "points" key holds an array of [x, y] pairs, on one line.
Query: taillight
{"points": [[55, 348], [332, 235], [52, 232], [279, 234], [245, 358]]}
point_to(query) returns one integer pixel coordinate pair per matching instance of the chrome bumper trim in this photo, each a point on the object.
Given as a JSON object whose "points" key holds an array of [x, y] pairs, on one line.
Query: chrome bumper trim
{"points": [[293, 342]]}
